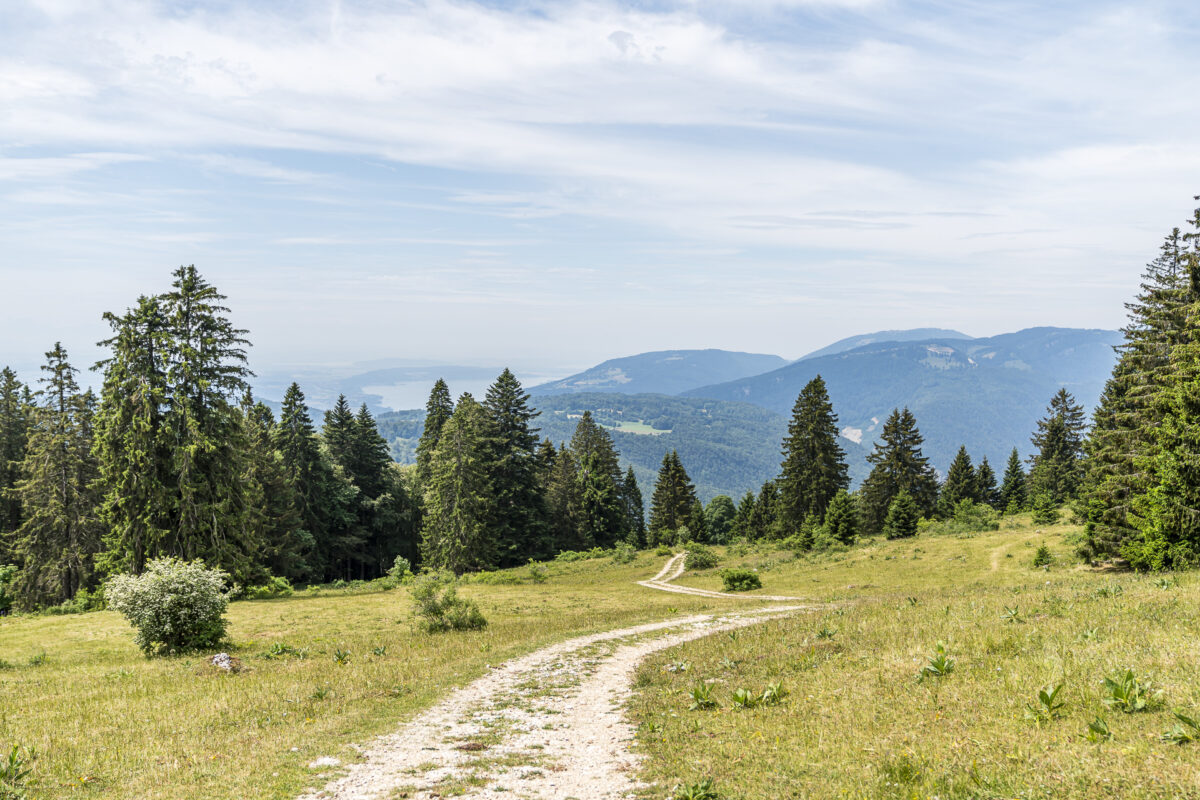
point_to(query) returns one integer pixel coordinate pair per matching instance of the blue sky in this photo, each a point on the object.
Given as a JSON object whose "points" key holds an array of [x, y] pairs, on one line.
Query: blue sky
{"points": [[553, 184]]}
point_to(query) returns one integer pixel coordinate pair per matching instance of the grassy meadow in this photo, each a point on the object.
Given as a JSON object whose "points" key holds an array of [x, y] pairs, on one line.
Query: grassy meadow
{"points": [[860, 721], [106, 722]]}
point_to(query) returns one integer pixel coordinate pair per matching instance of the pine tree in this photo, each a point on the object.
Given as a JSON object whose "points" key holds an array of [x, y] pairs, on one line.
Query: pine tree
{"points": [[697, 523], [814, 465], [60, 533], [601, 516], [902, 517], [1057, 466], [635, 511], [960, 485], [898, 465], [16, 410], [1014, 494], [719, 515], [370, 458], [519, 516], [458, 497], [841, 518], [985, 481], [438, 409]]}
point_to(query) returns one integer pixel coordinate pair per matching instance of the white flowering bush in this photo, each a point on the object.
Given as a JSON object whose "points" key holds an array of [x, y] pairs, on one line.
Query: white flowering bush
{"points": [[174, 605]]}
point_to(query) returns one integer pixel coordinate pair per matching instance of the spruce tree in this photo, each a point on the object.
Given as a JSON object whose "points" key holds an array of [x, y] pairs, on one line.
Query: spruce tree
{"points": [[564, 504], [206, 375], [338, 433], [814, 465], [132, 447], [635, 511], [16, 410], [601, 516], [1014, 494], [519, 515], [841, 518], [438, 409], [902, 517], [1131, 408], [323, 500], [1057, 464], [985, 481], [60, 532], [764, 516], [897, 465], [960, 485], [1165, 512], [671, 504], [458, 497], [271, 498]]}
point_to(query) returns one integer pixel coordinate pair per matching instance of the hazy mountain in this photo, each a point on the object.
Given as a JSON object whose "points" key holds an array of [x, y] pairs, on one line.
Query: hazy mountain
{"points": [[862, 340], [985, 393], [663, 372]]}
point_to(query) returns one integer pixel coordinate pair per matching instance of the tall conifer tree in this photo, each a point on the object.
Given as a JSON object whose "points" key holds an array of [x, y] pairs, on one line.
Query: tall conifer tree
{"points": [[814, 465], [985, 481], [16, 409], [438, 409], [1014, 494], [635, 511], [519, 514], [961, 484], [60, 534], [897, 465], [601, 515], [458, 498], [1057, 466]]}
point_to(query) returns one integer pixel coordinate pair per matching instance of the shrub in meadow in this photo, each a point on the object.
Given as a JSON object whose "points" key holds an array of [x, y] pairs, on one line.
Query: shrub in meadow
{"points": [[740, 580], [699, 557], [173, 605], [439, 608]]}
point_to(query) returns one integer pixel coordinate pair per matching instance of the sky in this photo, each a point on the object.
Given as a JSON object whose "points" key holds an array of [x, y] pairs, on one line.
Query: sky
{"points": [[548, 185]]}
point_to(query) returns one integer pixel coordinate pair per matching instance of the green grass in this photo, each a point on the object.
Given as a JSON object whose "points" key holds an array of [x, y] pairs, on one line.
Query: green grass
{"points": [[638, 427], [107, 722], [860, 723]]}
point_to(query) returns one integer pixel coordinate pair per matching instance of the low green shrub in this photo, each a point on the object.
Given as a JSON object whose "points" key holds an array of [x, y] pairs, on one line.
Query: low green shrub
{"points": [[699, 557], [401, 569], [1043, 557], [568, 556], [623, 553], [663, 550], [737, 579], [439, 608], [274, 587], [537, 572], [173, 605], [83, 602]]}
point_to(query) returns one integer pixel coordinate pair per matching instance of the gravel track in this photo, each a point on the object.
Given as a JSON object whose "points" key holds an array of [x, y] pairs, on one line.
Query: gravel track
{"points": [[546, 725]]}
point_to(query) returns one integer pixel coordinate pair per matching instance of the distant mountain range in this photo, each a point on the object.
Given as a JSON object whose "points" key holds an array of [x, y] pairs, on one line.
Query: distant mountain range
{"points": [[986, 393], [663, 372]]}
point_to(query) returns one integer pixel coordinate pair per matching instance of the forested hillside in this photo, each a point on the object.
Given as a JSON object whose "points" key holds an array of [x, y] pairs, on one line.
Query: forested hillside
{"points": [[984, 393]]}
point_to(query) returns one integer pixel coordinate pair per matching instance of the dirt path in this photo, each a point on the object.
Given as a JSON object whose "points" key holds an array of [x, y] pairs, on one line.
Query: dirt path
{"points": [[547, 725], [674, 568]]}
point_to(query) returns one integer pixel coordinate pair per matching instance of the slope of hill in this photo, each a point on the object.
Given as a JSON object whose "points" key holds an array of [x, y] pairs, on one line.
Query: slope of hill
{"points": [[663, 372], [986, 393], [862, 340]]}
